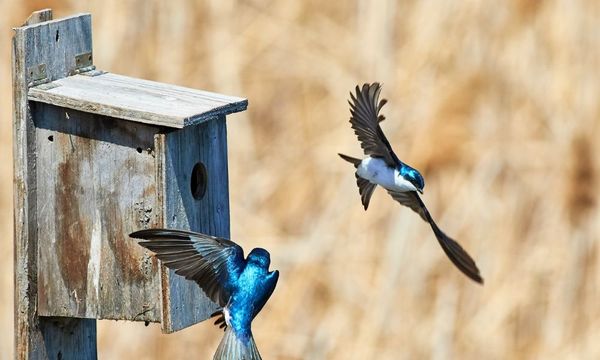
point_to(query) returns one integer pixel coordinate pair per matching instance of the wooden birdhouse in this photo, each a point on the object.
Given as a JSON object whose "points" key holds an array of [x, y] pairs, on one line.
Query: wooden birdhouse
{"points": [[98, 156]]}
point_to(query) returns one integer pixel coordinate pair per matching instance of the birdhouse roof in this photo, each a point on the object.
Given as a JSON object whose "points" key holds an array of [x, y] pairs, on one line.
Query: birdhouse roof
{"points": [[135, 99]]}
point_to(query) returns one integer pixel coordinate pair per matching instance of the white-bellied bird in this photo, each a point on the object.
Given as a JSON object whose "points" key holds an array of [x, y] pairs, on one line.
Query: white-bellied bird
{"points": [[382, 167], [240, 287]]}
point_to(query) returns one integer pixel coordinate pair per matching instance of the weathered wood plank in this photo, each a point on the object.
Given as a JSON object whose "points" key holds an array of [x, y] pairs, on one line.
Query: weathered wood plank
{"points": [[28, 336], [80, 345], [136, 100], [39, 16], [205, 143], [96, 184], [36, 44], [56, 44]]}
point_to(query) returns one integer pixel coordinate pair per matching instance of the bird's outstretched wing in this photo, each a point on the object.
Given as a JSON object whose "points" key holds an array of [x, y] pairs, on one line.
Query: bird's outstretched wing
{"points": [[453, 250], [214, 263], [365, 119]]}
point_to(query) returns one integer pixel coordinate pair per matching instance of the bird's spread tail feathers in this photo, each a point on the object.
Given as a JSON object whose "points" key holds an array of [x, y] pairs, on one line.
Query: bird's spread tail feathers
{"points": [[351, 160], [234, 348]]}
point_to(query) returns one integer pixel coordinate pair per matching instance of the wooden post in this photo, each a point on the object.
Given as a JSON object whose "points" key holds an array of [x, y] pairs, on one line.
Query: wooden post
{"points": [[35, 58], [96, 157]]}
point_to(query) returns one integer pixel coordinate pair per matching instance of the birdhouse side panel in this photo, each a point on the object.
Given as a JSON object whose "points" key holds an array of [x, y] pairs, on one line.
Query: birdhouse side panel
{"points": [[96, 183], [197, 199]]}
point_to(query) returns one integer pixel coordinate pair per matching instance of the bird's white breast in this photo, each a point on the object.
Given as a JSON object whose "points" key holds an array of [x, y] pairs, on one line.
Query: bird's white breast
{"points": [[378, 172]]}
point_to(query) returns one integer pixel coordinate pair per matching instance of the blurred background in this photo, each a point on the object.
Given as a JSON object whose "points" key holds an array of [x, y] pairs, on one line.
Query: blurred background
{"points": [[497, 103]]}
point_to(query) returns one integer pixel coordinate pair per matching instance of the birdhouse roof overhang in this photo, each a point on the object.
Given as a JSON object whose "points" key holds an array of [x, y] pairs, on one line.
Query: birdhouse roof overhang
{"points": [[136, 100]]}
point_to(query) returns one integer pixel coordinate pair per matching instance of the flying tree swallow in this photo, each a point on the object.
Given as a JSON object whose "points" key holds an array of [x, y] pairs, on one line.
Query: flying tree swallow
{"points": [[382, 167], [240, 287]]}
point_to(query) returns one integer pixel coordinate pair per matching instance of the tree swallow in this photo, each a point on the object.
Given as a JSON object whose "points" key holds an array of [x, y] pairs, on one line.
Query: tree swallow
{"points": [[382, 167], [240, 287]]}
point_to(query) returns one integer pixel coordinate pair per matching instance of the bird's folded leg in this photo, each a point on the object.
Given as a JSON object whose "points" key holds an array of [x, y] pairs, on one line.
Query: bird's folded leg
{"points": [[220, 319]]}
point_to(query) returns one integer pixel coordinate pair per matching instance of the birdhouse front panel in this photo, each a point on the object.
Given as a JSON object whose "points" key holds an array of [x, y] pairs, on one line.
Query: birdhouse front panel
{"points": [[96, 182]]}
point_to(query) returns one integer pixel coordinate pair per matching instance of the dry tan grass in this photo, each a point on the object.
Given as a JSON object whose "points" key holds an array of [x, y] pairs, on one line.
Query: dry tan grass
{"points": [[497, 103]]}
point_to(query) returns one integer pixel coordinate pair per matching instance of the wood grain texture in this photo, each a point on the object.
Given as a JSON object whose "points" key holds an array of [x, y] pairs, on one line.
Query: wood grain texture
{"points": [[36, 44], [39, 16], [136, 100], [95, 184], [58, 346], [205, 143]]}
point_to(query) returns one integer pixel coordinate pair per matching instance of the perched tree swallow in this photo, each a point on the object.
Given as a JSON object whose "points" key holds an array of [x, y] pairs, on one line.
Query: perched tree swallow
{"points": [[241, 287], [382, 167]]}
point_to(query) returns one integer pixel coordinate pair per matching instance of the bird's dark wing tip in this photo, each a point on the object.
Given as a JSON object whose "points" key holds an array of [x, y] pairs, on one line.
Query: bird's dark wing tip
{"points": [[153, 234], [140, 234], [473, 274], [458, 256]]}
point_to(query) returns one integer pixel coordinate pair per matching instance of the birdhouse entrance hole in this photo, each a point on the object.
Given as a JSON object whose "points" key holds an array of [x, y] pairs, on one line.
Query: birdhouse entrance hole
{"points": [[198, 182]]}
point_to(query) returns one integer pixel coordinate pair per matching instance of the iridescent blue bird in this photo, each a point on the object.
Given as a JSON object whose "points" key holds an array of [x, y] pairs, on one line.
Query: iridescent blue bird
{"points": [[240, 287], [382, 167]]}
